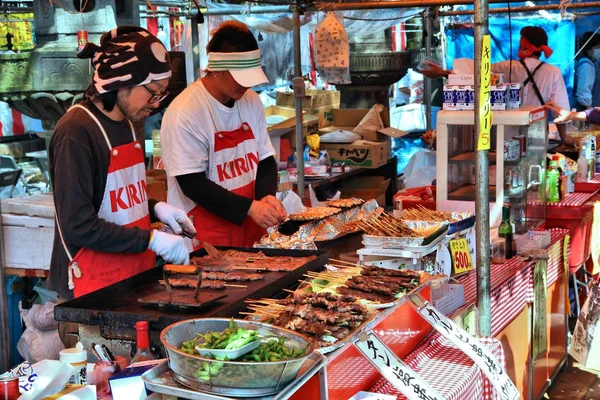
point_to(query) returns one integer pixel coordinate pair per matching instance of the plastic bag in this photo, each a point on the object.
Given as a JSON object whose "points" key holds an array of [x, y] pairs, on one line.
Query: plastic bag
{"points": [[291, 201], [420, 170], [371, 122], [333, 50], [51, 377], [585, 343], [35, 345], [40, 317]]}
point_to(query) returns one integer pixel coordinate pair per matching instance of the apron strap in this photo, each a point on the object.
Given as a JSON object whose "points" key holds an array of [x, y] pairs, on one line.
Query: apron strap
{"points": [[532, 80], [93, 117]]}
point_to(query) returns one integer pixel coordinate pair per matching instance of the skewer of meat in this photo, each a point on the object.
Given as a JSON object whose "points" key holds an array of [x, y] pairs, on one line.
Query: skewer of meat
{"points": [[375, 297], [395, 286], [192, 282], [308, 312], [231, 276], [404, 273]]}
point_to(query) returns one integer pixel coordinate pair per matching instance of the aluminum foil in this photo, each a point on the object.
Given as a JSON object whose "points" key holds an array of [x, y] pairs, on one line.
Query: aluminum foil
{"points": [[424, 227], [319, 231]]}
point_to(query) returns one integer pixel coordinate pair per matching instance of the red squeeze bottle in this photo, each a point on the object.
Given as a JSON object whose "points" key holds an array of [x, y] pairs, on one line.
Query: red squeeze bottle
{"points": [[143, 352]]}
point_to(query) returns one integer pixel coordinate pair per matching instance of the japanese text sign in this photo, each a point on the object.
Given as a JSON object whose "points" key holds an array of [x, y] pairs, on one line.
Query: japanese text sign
{"points": [[394, 370], [461, 256], [472, 347], [485, 122]]}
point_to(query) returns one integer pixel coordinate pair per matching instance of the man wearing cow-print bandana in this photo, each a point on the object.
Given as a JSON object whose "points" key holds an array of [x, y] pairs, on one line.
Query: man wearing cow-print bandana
{"points": [[103, 215]]}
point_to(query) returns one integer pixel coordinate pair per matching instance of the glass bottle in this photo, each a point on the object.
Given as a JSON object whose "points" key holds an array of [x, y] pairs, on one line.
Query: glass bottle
{"points": [[143, 352], [505, 231]]}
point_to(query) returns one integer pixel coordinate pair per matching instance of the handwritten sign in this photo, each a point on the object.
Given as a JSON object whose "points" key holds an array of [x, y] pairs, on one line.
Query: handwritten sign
{"points": [[461, 256], [485, 110], [443, 261], [472, 347], [393, 369], [540, 334], [471, 242]]}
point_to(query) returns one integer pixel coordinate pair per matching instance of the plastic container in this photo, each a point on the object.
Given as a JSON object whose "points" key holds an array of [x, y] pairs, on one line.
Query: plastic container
{"points": [[77, 357]]}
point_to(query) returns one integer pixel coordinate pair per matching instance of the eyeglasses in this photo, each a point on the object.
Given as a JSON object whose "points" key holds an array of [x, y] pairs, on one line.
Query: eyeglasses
{"points": [[156, 97]]}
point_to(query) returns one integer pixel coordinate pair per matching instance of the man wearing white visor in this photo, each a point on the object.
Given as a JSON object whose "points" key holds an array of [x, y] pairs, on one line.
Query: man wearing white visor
{"points": [[216, 150]]}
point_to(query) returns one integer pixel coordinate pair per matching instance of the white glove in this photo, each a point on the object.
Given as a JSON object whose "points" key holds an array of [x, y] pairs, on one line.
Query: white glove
{"points": [[170, 247], [174, 217]]}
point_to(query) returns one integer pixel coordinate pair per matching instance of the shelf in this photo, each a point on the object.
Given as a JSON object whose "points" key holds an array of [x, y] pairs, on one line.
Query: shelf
{"points": [[467, 193], [469, 158]]}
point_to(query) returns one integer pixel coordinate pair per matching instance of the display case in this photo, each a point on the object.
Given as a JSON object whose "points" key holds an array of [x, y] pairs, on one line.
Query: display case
{"points": [[517, 160]]}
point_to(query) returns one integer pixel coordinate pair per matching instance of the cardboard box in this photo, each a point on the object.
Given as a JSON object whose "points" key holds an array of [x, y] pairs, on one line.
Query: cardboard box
{"points": [[366, 188], [313, 99], [349, 118], [364, 154], [287, 128]]}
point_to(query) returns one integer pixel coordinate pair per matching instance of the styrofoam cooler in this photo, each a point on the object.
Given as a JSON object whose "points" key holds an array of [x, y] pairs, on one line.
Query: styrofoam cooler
{"points": [[28, 230]]}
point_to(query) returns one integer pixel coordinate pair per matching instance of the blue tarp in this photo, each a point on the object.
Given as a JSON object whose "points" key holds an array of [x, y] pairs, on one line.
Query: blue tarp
{"points": [[561, 38]]}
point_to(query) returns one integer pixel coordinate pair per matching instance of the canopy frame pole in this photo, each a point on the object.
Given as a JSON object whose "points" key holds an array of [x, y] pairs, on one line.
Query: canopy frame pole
{"points": [[298, 85], [482, 205]]}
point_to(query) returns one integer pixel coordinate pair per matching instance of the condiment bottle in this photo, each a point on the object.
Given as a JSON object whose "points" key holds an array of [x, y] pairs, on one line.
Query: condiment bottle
{"points": [[143, 352]]}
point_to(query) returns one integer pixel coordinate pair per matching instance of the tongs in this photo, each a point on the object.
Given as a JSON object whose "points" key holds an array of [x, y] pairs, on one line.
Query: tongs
{"points": [[170, 269]]}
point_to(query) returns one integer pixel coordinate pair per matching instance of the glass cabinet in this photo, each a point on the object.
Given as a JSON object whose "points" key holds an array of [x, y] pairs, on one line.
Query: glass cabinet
{"points": [[517, 160]]}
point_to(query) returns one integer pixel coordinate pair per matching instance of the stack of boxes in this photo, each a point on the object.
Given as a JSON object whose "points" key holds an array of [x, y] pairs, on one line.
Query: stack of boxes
{"points": [[459, 93]]}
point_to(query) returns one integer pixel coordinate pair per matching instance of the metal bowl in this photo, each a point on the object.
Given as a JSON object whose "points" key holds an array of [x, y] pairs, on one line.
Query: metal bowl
{"points": [[233, 378]]}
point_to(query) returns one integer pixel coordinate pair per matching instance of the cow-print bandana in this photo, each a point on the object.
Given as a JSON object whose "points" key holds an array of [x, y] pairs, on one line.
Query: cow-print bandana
{"points": [[127, 56]]}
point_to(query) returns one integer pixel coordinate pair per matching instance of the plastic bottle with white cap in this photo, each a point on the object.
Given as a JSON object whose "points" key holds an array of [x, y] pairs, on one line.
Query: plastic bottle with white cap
{"points": [[77, 357]]}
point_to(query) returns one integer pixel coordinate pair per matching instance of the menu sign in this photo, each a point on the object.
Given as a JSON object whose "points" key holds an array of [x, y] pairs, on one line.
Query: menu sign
{"points": [[393, 369], [472, 347], [540, 333]]}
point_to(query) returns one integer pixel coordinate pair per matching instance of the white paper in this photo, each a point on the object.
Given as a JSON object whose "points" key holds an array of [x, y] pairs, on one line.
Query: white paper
{"points": [[395, 370], [472, 347], [471, 243], [443, 261]]}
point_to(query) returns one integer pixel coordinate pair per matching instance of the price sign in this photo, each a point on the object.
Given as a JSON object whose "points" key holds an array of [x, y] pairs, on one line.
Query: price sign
{"points": [[472, 347], [461, 256], [394, 370], [443, 261]]}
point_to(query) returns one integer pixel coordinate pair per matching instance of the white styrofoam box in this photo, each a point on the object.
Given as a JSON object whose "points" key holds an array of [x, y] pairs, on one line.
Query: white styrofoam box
{"points": [[27, 241], [35, 206], [393, 262], [452, 300], [412, 117]]}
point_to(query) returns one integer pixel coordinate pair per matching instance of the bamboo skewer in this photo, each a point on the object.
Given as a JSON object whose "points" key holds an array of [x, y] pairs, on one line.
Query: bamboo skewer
{"points": [[236, 286], [343, 262]]}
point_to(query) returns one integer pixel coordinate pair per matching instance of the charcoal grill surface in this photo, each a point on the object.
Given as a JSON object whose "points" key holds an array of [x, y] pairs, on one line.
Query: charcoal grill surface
{"points": [[116, 308]]}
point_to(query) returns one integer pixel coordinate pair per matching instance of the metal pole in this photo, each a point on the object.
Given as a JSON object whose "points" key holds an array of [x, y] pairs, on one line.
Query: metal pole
{"points": [[4, 328], [372, 5], [298, 103], [593, 4], [428, 29], [482, 205], [195, 47]]}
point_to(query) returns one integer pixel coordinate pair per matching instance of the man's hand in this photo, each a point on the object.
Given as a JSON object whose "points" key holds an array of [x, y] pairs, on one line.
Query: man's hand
{"points": [[174, 217], [272, 200], [563, 115], [171, 248], [434, 71], [429, 137], [264, 214]]}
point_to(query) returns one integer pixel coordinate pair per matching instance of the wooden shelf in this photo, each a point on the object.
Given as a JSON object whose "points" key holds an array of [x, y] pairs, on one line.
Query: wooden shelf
{"points": [[30, 273]]}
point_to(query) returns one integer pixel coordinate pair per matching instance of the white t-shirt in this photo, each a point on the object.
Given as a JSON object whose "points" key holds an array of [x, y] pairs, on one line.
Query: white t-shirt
{"points": [[549, 80], [187, 127]]}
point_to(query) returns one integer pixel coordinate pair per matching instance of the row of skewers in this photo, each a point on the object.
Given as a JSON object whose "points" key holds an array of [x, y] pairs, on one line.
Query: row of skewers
{"points": [[340, 302]]}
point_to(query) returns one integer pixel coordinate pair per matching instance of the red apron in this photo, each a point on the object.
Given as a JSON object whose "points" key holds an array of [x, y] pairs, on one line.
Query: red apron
{"points": [[233, 163], [124, 203]]}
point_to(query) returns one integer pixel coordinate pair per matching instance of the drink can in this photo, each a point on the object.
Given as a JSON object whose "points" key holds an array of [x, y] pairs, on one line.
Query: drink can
{"points": [[82, 39], [9, 387]]}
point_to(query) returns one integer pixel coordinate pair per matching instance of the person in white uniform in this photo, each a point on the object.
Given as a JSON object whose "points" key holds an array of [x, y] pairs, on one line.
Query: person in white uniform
{"points": [[542, 82], [216, 149]]}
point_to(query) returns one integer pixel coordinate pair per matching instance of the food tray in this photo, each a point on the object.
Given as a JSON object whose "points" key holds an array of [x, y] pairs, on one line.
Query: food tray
{"points": [[160, 380], [411, 244], [247, 379]]}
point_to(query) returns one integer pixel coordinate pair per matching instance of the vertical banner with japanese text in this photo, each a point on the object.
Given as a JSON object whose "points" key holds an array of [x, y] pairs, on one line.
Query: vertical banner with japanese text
{"points": [[407, 381], [485, 122], [471, 346]]}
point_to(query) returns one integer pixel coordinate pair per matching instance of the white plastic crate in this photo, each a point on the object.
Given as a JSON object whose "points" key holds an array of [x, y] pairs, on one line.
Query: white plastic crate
{"points": [[533, 240], [452, 299], [27, 241]]}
